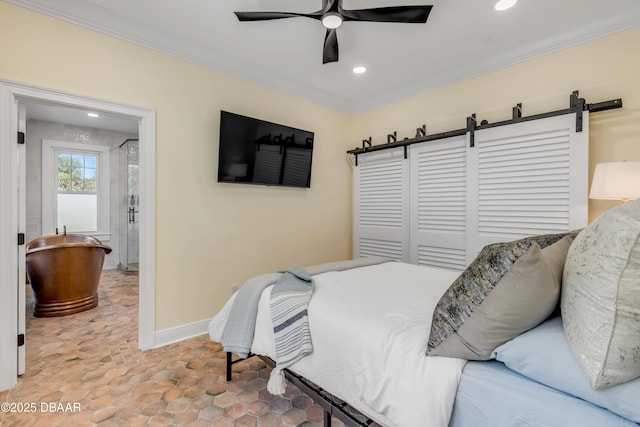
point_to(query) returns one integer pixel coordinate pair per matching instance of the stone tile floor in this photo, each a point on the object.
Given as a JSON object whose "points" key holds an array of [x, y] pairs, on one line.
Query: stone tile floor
{"points": [[86, 370]]}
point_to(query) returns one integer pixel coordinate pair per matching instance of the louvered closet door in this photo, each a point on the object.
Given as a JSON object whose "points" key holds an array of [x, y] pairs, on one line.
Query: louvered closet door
{"points": [[527, 178], [438, 203], [268, 164], [381, 205], [295, 170]]}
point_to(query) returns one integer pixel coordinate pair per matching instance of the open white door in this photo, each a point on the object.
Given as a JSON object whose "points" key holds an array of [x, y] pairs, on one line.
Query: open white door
{"points": [[22, 204], [8, 239]]}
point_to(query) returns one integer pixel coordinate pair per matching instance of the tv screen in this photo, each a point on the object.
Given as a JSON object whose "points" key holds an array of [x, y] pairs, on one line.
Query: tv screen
{"points": [[254, 151]]}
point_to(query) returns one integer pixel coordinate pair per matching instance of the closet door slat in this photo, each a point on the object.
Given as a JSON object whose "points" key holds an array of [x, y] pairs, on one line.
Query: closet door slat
{"points": [[531, 178], [438, 203], [381, 205]]}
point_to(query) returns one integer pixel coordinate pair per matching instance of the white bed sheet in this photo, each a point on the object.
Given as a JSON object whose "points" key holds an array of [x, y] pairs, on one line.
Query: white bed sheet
{"points": [[370, 328]]}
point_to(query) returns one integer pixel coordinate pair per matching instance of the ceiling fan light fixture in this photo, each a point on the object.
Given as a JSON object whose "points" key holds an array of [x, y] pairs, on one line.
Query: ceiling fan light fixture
{"points": [[331, 20], [504, 4], [332, 15]]}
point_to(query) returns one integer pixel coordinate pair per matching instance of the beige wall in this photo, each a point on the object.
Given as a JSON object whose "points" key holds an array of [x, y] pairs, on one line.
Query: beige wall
{"points": [[602, 70], [209, 235]]}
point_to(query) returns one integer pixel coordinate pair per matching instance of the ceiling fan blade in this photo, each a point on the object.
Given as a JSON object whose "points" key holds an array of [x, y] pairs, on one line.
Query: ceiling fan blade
{"points": [[330, 51], [403, 14], [266, 16], [328, 6]]}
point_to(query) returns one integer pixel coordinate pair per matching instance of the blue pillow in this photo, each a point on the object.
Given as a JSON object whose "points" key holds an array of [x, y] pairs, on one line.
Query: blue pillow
{"points": [[543, 354]]}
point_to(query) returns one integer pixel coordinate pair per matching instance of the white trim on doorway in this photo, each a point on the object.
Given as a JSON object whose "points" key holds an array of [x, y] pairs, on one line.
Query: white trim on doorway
{"points": [[10, 94]]}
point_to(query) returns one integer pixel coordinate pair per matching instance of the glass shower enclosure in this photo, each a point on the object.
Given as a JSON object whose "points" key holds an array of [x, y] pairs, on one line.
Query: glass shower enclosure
{"points": [[129, 205]]}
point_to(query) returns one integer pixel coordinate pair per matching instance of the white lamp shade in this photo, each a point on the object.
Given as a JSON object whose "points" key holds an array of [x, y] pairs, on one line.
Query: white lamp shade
{"points": [[616, 181]]}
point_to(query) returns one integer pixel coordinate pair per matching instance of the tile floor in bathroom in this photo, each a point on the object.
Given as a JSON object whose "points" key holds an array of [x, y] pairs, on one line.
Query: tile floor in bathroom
{"points": [[85, 369]]}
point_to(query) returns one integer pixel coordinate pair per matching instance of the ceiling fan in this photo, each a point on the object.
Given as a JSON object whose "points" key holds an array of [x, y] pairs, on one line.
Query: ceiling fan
{"points": [[332, 15]]}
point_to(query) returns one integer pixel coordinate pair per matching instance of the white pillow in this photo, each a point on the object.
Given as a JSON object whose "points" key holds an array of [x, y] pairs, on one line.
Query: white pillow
{"points": [[600, 299]]}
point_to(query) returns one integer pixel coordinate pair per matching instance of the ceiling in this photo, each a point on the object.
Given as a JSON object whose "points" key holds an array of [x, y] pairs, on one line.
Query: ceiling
{"points": [[57, 113], [461, 39]]}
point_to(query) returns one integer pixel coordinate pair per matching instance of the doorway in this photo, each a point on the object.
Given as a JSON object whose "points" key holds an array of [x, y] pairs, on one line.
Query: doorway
{"points": [[13, 96]]}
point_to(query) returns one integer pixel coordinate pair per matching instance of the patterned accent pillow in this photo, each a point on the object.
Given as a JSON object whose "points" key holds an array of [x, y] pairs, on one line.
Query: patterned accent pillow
{"points": [[601, 297], [508, 289]]}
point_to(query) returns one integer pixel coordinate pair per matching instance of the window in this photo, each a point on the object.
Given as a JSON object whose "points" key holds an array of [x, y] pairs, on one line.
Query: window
{"points": [[75, 188]]}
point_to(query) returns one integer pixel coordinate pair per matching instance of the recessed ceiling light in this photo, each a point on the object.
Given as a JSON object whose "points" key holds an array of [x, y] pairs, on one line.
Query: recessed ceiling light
{"points": [[359, 69], [504, 4], [331, 20], [93, 115]]}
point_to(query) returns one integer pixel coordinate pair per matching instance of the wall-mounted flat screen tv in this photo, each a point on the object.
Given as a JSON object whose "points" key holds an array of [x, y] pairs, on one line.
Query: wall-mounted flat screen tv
{"points": [[254, 151]]}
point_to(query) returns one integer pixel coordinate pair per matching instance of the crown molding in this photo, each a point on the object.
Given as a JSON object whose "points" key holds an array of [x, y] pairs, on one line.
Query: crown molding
{"points": [[540, 48], [151, 40]]}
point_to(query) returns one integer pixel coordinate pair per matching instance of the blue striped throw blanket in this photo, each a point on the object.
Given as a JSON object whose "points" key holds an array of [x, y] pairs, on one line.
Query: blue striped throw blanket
{"points": [[237, 335], [290, 298]]}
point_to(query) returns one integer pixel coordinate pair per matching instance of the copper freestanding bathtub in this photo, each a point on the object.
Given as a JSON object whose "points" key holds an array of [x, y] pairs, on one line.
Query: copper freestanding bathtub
{"points": [[64, 272]]}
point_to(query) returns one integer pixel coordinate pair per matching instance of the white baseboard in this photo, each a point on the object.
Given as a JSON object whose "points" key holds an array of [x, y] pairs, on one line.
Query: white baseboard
{"points": [[181, 333]]}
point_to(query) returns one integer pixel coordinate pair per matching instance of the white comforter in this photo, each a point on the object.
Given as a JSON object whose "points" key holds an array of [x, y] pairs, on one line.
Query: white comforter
{"points": [[370, 328]]}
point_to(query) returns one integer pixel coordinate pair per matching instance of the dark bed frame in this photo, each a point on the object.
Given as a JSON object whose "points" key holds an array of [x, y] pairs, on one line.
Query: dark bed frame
{"points": [[332, 406]]}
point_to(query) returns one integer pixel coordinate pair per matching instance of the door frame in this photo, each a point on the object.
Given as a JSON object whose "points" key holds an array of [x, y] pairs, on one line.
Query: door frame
{"points": [[11, 93]]}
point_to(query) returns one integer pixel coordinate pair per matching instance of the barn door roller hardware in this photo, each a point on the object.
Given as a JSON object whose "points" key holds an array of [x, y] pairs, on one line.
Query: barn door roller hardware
{"points": [[577, 105]]}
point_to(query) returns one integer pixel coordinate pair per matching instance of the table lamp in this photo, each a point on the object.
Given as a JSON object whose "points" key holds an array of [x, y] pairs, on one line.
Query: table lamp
{"points": [[616, 181]]}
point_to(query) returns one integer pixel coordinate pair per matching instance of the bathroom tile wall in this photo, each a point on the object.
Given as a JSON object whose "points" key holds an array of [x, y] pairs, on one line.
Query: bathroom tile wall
{"points": [[37, 130]]}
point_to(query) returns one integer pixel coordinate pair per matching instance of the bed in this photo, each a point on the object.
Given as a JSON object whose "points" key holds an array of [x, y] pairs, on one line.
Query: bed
{"points": [[385, 340]]}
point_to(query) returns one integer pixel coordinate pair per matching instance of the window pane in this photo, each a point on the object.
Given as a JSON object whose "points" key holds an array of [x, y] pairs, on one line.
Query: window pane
{"points": [[90, 162], [76, 179], [64, 159], [89, 179], [77, 172], [77, 160], [90, 185], [79, 212], [64, 172]]}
